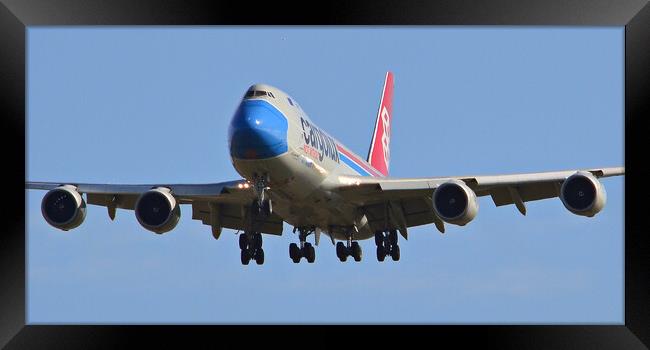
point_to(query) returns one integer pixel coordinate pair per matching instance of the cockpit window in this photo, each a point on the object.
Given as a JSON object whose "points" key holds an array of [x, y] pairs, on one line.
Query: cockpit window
{"points": [[252, 93], [290, 102]]}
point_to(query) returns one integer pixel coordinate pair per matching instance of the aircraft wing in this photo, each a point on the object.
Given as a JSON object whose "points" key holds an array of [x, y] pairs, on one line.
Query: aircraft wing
{"points": [[410, 199], [228, 200]]}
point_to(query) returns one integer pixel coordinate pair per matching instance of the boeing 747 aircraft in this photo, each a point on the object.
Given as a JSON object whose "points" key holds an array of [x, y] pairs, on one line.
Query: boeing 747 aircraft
{"points": [[295, 172]]}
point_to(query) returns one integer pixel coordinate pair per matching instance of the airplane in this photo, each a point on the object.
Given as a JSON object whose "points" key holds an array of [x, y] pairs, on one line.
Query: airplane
{"points": [[295, 172]]}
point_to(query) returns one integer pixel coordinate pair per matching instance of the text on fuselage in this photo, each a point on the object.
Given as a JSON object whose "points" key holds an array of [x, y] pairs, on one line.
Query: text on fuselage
{"points": [[318, 144]]}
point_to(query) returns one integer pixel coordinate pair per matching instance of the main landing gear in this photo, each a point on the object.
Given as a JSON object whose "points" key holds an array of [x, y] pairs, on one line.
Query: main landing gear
{"points": [[305, 250], [350, 248], [250, 244], [387, 245]]}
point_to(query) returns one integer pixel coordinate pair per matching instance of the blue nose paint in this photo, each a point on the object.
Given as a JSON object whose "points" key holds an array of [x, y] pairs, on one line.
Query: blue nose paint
{"points": [[258, 130]]}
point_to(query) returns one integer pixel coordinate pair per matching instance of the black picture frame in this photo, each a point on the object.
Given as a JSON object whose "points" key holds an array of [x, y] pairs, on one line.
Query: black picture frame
{"points": [[16, 15]]}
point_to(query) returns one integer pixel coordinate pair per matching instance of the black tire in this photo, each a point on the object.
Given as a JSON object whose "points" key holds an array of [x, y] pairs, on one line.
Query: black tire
{"points": [[243, 241], [379, 238], [294, 252], [395, 253], [356, 251], [381, 253], [245, 257], [311, 254], [258, 240], [259, 256], [341, 251], [387, 245], [392, 237]]}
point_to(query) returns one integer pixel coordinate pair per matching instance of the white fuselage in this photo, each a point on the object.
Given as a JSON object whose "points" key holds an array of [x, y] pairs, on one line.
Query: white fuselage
{"points": [[271, 135]]}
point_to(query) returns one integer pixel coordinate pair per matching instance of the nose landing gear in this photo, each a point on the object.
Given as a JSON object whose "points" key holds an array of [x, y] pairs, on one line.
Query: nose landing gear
{"points": [[263, 208], [263, 204], [250, 242]]}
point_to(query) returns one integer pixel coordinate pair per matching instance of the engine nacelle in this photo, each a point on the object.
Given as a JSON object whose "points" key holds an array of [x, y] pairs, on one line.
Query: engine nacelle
{"points": [[157, 210], [582, 194], [455, 203], [63, 207]]}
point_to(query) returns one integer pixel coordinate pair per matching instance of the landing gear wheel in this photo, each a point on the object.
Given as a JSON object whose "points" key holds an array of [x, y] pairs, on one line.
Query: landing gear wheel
{"points": [[395, 253], [294, 252], [356, 251], [381, 253], [379, 238], [245, 257], [310, 253], [259, 256], [243, 241], [257, 240], [392, 237], [341, 251]]}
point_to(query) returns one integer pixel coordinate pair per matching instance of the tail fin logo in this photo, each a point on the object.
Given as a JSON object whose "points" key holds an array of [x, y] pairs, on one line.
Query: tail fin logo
{"points": [[385, 138], [379, 152]]}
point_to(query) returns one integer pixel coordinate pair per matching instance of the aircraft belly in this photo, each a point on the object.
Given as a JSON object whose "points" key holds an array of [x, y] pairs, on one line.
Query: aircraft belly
{"points": [[289, 178], [357, 237], [313, 211]]}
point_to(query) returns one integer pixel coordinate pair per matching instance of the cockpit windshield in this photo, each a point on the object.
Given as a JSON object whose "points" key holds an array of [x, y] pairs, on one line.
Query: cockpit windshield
{"points": [[255, 93]]}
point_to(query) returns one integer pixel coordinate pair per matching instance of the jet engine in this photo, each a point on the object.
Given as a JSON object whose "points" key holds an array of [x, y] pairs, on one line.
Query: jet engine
{"points": [[63, 207], [157, 210], [455, 203], [582, 194]]}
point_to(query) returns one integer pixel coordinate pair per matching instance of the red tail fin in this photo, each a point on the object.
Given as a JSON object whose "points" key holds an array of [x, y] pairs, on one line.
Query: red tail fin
{"points": [[379, 153]]}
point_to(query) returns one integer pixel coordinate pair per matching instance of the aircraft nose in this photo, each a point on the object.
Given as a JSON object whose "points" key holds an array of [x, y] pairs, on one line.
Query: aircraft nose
{"points": [[258, 130]]}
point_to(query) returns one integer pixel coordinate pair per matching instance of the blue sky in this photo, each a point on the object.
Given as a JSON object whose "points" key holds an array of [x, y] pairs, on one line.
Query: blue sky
{"points": [[152, 104]]}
